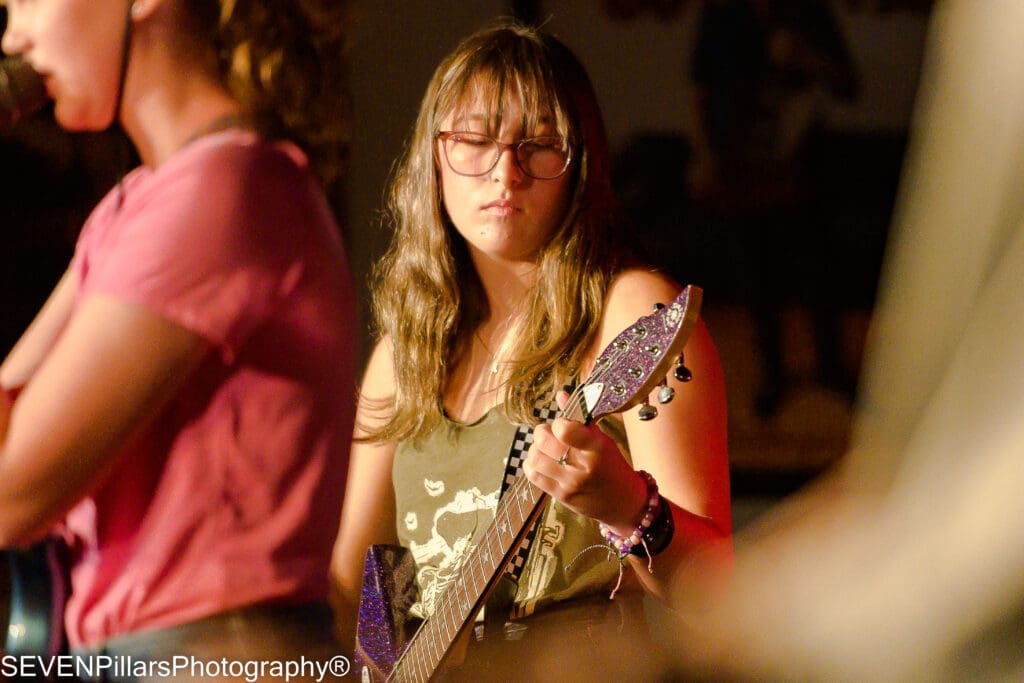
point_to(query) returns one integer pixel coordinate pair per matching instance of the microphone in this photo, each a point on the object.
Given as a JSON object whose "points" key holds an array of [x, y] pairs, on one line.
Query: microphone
{"points": [[21, 91]]}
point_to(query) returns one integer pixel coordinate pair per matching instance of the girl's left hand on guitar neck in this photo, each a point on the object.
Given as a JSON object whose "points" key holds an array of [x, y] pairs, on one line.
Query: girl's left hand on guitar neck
{"points": [[583, 469]]}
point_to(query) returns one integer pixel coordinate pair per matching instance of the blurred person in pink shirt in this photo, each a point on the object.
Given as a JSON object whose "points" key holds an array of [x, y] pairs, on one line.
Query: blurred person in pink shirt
{"points": [[180, 409]]}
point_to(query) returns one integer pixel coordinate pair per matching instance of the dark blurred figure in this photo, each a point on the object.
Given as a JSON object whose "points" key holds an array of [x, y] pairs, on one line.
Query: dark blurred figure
{"points": [[763, 74], [51, 179]]}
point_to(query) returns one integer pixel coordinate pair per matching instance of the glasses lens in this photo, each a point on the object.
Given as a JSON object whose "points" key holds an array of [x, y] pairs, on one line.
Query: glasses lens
{"points": [[543, 157], [470, 153], [475, 154]]}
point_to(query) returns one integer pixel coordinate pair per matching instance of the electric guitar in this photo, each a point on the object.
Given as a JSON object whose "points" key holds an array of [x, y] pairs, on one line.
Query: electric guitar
{"points": [[390, 646]]}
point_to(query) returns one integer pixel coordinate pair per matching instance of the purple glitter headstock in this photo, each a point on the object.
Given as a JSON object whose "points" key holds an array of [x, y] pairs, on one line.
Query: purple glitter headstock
{"points": [[637, 360]]}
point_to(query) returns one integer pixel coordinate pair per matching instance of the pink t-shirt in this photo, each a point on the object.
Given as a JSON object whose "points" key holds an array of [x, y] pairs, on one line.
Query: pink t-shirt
{"points": [[233, 496]]}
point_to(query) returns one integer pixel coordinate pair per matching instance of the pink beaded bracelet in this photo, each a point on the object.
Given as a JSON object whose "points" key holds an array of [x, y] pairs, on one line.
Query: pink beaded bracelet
{"points": [[623, 545]]}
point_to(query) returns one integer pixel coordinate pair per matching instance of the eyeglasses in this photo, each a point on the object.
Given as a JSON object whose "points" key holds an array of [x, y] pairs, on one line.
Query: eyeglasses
{"points": [[475, 154]]}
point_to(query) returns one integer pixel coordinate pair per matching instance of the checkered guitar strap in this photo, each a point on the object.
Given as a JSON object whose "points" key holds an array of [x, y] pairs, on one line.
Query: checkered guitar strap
{"points": [[545, 410]]}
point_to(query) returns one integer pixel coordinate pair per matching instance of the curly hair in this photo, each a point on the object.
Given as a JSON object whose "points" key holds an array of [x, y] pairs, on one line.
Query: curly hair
{"points": [[427, 296], [284, 60]]}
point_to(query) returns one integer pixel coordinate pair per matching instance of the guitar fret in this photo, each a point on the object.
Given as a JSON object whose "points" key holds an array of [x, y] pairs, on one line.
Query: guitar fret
{"points": [[486, 551], [480, 568], [467, 573], [452, 617], [462, 579], [496, 546], [506, 528], [408, 673], [420, 669], [422, 643], [424, 664], [454, 609], [494, 558], [465, 602], [430, 645], [519, 506], [455, 604], [444, 618], [437, 652], [526, 493]]}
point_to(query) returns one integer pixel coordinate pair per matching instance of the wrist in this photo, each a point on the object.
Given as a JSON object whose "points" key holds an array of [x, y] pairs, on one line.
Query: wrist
{"points": [[659, 534], [631, 505], [633, 535]]}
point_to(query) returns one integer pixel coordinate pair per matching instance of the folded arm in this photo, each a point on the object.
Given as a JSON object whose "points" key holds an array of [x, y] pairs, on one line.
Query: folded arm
{"points": [[87, 386]]}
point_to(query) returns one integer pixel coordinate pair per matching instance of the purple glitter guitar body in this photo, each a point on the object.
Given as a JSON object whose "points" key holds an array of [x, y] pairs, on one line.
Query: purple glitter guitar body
{"points": [[390, 646]]}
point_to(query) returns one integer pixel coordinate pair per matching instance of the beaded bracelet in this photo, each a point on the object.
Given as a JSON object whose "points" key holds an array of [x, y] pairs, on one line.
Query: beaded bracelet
{"points": [[624, 545], [659, 533]]}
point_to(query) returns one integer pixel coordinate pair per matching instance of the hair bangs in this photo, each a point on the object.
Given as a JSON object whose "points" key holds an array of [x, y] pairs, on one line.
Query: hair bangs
{"points": [[489, 78]]}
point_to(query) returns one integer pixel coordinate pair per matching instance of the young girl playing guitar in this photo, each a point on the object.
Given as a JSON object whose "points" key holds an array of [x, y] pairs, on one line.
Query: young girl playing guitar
{"points": [[507, 274]]}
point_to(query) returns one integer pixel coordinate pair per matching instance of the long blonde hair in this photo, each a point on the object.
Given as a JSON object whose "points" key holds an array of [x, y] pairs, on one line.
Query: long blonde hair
{"points": [[427, 296]]}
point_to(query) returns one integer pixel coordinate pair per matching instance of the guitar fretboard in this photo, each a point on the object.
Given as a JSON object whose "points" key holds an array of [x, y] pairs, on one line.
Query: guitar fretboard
{"points": [[466, 592]]}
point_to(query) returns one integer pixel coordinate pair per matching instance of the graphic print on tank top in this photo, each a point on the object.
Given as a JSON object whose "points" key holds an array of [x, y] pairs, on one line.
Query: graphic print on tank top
{"points": [[452, 530]]}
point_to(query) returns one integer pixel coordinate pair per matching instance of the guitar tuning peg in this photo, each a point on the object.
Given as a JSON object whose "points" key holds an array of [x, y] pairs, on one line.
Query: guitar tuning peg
{"points": [[665, 392], [682, 373], [647, 411]]}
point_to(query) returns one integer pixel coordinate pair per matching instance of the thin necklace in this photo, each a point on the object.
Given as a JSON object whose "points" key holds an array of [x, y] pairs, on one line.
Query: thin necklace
{"points": [[494, 361]]}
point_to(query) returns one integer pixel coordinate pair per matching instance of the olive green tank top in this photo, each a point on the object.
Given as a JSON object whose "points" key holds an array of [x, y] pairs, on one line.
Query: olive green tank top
{"points": [[446, 491]]}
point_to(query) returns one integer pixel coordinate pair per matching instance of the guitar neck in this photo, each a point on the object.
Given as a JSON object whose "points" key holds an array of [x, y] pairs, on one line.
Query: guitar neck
{"points": [[467, 591]]}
